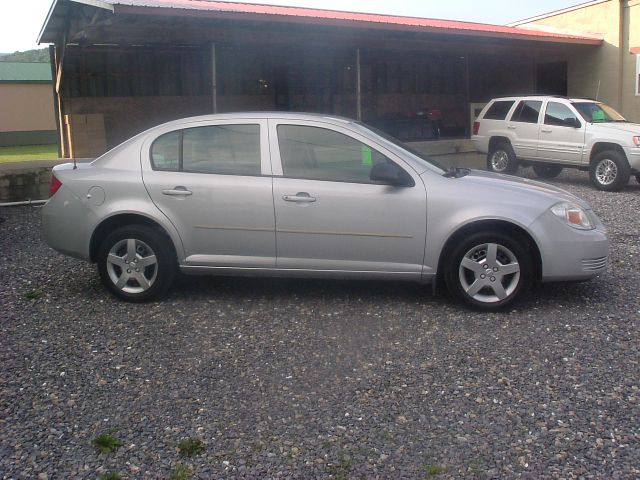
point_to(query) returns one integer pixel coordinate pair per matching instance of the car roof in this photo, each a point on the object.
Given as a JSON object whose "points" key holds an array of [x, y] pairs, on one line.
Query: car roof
{"points": [[262, 115], [543, 97]]}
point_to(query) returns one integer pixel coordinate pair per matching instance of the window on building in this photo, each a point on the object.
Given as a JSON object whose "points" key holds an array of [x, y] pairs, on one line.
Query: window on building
{"points": [[638, 75]]}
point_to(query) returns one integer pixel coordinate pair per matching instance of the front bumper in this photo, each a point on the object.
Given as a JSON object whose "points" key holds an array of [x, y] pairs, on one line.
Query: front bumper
{"points": [[568, 253]]}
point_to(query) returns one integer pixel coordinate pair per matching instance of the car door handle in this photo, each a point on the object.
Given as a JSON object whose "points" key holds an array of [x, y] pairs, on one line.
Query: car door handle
{"points": [[511, 127], [300, 197], [177, 191], [545, 130]]}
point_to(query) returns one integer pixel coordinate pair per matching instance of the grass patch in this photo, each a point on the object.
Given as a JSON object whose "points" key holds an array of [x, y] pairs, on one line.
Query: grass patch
{"points": [[28, 152], [342, 467], [432, 470], [190, 447], [32, 295], [106, 443], [180, 472], [111, 476]]}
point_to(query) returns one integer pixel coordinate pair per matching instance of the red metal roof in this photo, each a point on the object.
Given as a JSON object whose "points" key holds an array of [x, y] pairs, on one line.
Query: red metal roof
{"points": [[334, 17]]}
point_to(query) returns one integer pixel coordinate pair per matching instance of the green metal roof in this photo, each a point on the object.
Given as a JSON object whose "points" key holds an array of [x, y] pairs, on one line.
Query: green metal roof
{"points": [[19, 72]]}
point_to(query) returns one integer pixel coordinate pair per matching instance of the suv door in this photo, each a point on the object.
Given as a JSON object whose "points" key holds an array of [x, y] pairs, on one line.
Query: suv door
{"points": [[330, 216], [213, 182], [523, 128], [562, 135]]}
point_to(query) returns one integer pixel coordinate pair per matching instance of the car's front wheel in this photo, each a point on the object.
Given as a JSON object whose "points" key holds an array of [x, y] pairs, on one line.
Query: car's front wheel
{"points": [[609, 171], [136, 263], [502, 159], [547, 170], [488, 271]]}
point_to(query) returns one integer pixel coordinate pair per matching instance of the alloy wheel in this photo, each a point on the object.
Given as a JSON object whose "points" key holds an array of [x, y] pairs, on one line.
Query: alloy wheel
{"points": [[489, 273], [606, 171], [132, 265]]}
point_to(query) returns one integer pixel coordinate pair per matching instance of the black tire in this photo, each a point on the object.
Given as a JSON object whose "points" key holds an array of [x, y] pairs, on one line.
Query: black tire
{"points": [[609, 171], [547, 170], [502, 159], [638, 177], [146, 276], [511, 256]]}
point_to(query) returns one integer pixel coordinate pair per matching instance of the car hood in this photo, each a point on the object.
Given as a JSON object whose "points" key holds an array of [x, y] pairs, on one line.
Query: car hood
{"points": [[516, 188], [633, 128]]}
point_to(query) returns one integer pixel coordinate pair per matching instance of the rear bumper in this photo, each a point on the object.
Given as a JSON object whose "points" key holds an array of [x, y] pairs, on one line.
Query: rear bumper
{"points": [[481, 143], [568, 253], [66, 224], [633, 156]]}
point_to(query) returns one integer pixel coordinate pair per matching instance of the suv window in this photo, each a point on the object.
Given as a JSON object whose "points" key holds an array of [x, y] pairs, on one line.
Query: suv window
{"points": [[320, 154], [557, 114], [221, 149], [499, 110], [527, 111]]}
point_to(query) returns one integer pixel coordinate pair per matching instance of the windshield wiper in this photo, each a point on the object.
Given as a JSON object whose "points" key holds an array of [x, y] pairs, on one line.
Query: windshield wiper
{"points": [[456, 172]]}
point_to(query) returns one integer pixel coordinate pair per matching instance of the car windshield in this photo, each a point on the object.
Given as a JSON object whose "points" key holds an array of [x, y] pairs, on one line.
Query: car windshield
{"points": [[421, 157], [597, 112]]}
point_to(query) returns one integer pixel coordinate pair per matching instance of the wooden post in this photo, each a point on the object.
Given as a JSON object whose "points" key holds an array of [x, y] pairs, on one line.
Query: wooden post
{"points": [[358, 87], [214, 79]]}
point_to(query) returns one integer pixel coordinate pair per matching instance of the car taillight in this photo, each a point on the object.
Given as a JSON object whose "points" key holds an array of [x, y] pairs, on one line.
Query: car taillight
{"points": [[54, 186], [476, 127]]}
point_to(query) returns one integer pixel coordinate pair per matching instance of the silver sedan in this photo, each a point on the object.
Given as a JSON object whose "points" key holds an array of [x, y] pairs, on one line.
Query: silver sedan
{"points": [[312, 196]]}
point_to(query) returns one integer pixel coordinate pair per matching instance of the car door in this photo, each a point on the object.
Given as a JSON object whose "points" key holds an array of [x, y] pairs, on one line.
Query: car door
{"points": [[523, 128], [213, 182], [562, 134], [330, 216]]}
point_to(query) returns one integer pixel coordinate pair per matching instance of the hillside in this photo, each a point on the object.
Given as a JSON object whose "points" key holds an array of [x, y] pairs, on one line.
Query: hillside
{"points": [[37, 55]]}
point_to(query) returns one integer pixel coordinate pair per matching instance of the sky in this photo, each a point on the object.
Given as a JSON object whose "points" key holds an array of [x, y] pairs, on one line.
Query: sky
{"points": [[21, 20]]}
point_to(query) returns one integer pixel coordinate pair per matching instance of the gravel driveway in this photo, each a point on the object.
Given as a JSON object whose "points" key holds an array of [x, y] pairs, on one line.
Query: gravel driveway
{"points": [[318, 379]]}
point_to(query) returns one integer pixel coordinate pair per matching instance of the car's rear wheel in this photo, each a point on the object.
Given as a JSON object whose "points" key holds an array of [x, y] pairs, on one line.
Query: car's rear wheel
{"points": [[547, 170], [136, 263], [488, 271], [610, 171], [502, 159], [638, 177]]}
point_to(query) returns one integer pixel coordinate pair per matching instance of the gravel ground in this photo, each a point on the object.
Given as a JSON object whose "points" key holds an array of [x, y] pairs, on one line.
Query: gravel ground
{"points": [[319, 379]]}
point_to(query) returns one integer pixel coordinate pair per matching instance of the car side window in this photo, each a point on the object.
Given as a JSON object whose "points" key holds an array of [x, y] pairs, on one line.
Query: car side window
{"points": [[557, 114], [499, 110], [527, 111], [165, 152], [223, 149], [220, 149], [321, 154]]}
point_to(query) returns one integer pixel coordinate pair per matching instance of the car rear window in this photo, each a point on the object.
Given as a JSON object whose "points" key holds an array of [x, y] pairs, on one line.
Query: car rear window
{"points": [[527, 111], [220, 149], [499, 110]]}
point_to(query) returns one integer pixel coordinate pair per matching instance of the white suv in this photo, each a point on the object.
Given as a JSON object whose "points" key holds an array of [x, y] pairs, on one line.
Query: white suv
{"points": [[551, 133]]}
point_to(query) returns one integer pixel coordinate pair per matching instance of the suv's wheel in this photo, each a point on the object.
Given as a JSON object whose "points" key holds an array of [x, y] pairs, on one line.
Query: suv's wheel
{"points": [[609, 171], [502, 159], [488, 271], [638, 177], [136, 263], [547, 170]]}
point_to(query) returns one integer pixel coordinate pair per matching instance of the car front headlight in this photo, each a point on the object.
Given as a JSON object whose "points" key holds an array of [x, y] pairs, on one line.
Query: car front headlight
{"points": [[573, 215]]}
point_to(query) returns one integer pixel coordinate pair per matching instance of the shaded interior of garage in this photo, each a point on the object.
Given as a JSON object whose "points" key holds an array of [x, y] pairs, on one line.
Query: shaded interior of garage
{"points": [[139, 67]]}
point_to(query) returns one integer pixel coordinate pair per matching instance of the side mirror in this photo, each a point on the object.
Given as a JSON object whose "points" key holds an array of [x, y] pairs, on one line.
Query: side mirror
{"points": [[390, 174], [572, 122]]}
